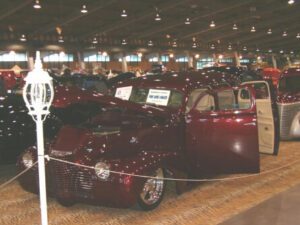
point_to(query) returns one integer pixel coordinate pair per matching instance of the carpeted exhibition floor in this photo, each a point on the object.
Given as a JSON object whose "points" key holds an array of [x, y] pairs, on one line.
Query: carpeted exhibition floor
{"points": [[207, 203]]}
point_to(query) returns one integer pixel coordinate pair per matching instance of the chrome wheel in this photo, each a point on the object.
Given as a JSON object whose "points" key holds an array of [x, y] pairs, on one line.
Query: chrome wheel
{"points": [[152, 191]]}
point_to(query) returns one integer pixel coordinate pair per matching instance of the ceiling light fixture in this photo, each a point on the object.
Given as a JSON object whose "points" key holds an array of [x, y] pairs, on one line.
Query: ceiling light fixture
{"points": [[187, 21], [197, 56], [83, 9], [95, 41], [139, 54], [270, 51], [157, 17], [23, 38], [253, 29], [212, 46], [37, 4], [284, 34], [269, 31], [292, 52], [194, 45], [171, 55], [60, 39], [174, 44], [245, 48], [291, 2], [124, 42], [104, 53], [212, 24], [229, 47], [150, 43], [298, 36], [257, 50], [123, 14], [281, 51], [234, 27]]}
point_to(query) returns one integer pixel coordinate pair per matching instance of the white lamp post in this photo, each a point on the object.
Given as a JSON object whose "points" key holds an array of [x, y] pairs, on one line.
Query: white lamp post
{"points": [[38, 95]]}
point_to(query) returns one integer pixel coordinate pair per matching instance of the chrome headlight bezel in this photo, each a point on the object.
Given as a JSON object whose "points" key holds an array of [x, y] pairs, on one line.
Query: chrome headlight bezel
{"points": [[102, 170], [27, 159]]}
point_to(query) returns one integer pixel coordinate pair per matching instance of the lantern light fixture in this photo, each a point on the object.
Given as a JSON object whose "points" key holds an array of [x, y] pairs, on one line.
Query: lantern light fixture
{"points": [[284, 34], [245, 48], [174, 45], [298, 36], [37, 4], [269, 31], [95, 41], [150, 43], [60, 39], [194, 45], [212, 24], [187, 21], [124, 14], [23, 38], [124, 42], [253, 29], [212, 46], [229, 47], [84, 9], [234, 27]]}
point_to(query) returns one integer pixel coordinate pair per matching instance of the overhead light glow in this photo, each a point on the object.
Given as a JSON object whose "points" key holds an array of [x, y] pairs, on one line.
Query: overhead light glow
{"points": [[83, 9], [104, 53], [257, 50], [229, 47], [298, 36], [253, 29], [174, 44], [212, 24], [37, 4], [23, 38], [123, 14], [171, 55], [187, 21], [150, 43], [245, 48], [269, 31], [157, 17], [292, 52], [281, 51], [284, 34], [139, 54], [291, 2], [197, 56], [60, 39], [95, 41], [124, 42], [221, 56], [212, 46], [194, 45], [270, 51], [234, 27]]}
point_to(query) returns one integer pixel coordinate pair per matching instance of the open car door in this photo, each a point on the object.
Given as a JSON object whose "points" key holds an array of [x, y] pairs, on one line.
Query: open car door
{"points": [[267, 117], [221, 132]]}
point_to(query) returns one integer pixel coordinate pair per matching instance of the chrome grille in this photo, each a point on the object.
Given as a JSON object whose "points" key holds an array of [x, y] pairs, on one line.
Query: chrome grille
{"points": [[287, 112]]}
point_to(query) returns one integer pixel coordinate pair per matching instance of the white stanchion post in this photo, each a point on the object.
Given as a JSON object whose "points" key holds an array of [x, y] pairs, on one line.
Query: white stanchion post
{"points": [[38, 95]]}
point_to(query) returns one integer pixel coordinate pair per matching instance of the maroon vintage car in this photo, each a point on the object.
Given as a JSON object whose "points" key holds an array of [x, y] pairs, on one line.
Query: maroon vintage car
{"points": [[191, 125], [288, 100]]}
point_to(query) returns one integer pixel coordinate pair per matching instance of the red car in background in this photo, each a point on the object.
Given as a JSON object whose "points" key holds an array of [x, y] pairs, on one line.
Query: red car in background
{"points": [[10, 79], [190, 123], [288, 101], [271, 74]]}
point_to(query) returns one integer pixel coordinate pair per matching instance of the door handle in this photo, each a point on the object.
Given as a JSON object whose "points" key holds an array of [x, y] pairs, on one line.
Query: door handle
{"points": [[260, 112], [266, 128]]}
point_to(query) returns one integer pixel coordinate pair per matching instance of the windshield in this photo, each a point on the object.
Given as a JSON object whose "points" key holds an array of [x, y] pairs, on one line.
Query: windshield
{"points": [[291, 83], [151, 96]]}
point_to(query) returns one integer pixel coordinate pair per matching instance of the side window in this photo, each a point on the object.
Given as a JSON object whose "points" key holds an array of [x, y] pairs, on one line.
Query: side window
{"points": [[206, 103], [234, 99], [261, 91], [193, 97]]}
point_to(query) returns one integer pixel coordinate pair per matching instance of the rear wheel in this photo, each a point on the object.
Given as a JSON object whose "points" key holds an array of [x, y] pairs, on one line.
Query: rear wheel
{"points": [[153, 191]]}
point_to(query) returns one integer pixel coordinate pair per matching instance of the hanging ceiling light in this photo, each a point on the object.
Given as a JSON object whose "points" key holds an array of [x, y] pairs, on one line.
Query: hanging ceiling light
{"points": [[174, 44], [157, 17], [212, 46], [150, 43], [139, 54], [83, 9], [123, 14], [212, 24], [292, 52], [270, 51], [253, 29], [234, 27], [269, 31], [60, 39], [284, 34], [197, 56], [245, 48], [187, 21], [281, 51], [104, 53], [37, 4], [95, 41], [23, 38], [298, 36], [257, 50], [171, 55], [229, 47], [124, 42], [291, 2], [194, 45]]}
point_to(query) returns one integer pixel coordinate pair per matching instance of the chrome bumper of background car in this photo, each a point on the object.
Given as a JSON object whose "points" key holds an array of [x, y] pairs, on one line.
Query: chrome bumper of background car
{"points": [[288, 122]]}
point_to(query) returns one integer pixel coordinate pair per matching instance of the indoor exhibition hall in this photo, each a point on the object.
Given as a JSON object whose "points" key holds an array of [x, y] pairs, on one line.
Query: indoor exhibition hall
{"points": [[157, 112]]}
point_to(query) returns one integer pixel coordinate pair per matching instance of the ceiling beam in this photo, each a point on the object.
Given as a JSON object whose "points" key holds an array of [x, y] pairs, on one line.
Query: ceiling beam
{"points": [[73, 17], [17, 6]]}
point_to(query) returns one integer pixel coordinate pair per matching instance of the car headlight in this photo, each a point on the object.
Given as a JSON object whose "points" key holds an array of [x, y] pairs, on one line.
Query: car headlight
{"points": [[27, 159], [102, 170]]}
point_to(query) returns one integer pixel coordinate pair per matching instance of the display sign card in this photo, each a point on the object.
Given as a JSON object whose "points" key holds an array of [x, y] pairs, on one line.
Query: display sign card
{"points": [[158, 97], [123, 92]]}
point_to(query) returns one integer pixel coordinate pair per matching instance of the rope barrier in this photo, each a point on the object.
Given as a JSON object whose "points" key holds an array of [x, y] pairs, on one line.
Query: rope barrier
{"points": [[17, 176], [176, 179]]}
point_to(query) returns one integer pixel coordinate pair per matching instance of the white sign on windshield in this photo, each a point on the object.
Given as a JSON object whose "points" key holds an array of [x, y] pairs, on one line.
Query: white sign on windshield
{"points": [[123, 92], [158, 97]]}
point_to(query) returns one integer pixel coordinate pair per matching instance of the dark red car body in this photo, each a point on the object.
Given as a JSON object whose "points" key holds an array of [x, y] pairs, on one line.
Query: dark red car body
{"points": [[139, 138]]}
